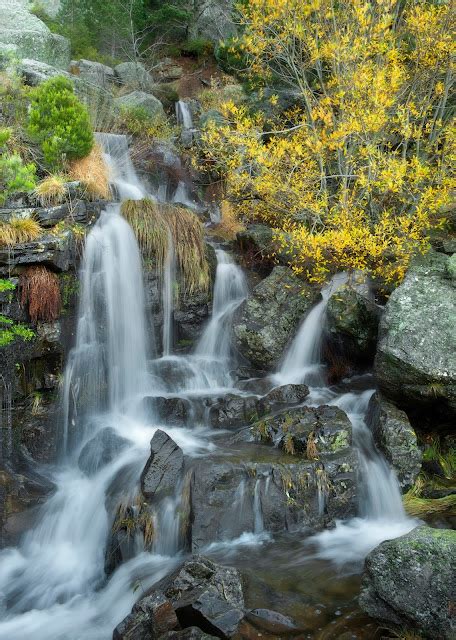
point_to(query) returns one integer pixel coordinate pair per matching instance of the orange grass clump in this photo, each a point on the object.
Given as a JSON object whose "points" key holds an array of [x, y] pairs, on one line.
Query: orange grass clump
{"points": [[40, 290], [93, 173]]}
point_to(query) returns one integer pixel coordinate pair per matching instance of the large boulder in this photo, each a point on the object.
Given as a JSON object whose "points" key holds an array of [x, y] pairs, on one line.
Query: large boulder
{"points": [[416, 355], [134, 76], [151, 617], [411, 581], [396, 439], [30, 36], [269, 318], [352, 319], [139, 99], [213, 20], [163, 468], [95, 72]]}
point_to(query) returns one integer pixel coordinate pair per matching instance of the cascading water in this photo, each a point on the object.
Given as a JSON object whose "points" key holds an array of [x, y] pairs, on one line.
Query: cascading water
{"points": [[184, 114], [382, 514], [53, 586], [123, 174], [302, 361], [229, 291]]}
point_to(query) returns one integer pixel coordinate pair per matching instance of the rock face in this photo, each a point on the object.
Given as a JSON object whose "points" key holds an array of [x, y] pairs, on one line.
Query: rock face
{"points": [[416, 354], [163, 468], [213, 19], [352, 319], [270, 317], [139, 99], [134, 76], [411, 581], [93, 72], [30, 37], [396, 439], [304, 485]]}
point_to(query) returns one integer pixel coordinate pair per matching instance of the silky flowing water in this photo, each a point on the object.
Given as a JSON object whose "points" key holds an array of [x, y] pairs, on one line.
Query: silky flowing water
{"points": [[53, 584]]}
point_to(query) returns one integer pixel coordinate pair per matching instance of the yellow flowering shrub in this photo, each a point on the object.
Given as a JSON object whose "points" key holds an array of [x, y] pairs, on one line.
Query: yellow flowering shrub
{"points": [[356, 174]]}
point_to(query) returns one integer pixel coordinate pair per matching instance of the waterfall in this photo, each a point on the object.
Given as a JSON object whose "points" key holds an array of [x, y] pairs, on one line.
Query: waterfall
{"points": [[123, 174], [169, 276], [184, 114], [302, 360], [229, 291]]}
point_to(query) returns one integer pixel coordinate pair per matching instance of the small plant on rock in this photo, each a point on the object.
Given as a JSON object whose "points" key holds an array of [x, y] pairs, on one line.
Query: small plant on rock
{"points": [[15, 176], [59, 122]]}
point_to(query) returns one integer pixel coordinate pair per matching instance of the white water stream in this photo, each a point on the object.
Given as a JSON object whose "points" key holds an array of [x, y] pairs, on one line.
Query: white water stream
{"points": [[53, 585]]}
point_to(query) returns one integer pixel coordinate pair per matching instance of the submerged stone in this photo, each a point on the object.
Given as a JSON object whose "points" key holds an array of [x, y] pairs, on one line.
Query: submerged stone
{"points": [[101, 450]]}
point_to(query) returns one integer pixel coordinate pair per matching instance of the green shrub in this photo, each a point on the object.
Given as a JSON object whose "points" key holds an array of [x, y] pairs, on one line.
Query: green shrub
{"points": [[15, 176], [60, 123], [197, 48]]}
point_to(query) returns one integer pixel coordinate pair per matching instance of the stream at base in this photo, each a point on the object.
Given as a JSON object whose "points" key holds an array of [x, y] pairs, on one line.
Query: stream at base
{"points": [[53, 586]]}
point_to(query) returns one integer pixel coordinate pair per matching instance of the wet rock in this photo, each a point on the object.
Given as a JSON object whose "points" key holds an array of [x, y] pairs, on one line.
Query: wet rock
{"points": [[175, 411], [257, 238], [269, 318], [163, 468], [134, 75], [233, 410], [286, 394], [151, 617], [416, 356], [102, 449], [206, 595], [309, 431], [229, 499], [396, 439], [139, 99], [411, 581], [352, 319], [258, 386]]}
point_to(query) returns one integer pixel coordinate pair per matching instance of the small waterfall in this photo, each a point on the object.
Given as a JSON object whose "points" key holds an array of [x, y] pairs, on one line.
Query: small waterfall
{"points": [[108, 364], [258, 523], [302, 361], [123, 174], [184, 115], [229, 291], [169, 277]]}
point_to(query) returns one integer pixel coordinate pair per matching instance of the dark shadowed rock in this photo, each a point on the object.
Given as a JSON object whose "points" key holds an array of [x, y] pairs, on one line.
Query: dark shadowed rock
{"points": [[352, 319], [206, 595], [269, 318], [163, 468], [286, 394], [102, 449], [411, 581], [191, 633], [396, 439], [416, 355], [151, 617], [233, 411]]}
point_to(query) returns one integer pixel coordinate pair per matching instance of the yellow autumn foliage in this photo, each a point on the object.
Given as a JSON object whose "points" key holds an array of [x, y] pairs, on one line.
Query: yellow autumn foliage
{"points": [[357, 173]]}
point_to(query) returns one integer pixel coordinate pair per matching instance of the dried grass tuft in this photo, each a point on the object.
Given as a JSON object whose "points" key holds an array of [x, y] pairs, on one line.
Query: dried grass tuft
{"points": [[93, 173], [152, 223], [229, 225], [19, 231], [311, 447], [40, 291], [51, 191]]}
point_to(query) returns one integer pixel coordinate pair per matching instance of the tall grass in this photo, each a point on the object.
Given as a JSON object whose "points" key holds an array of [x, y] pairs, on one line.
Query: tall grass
{"points": [[51, 191], [93, 173], [152, 222], [40, 292]]}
